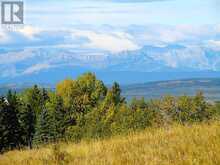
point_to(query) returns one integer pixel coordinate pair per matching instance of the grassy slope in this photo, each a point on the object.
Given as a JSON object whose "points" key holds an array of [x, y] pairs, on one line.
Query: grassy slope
{"points": [[197, 144]]}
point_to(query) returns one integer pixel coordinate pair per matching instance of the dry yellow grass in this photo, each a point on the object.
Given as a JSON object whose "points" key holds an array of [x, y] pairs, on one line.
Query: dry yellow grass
{"points": [[180, 145]]}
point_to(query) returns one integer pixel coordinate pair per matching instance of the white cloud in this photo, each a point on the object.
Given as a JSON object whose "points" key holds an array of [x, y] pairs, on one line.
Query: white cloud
{"points": [[114, 42], [36, 68], [111, 39], [171, 35], [4, 36], [159, 34], [217, 28], [29, 31], [214, 44]]}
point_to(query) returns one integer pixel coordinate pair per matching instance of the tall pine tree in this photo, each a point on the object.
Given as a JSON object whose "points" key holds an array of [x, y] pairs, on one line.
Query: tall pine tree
{"points": [[10, 129], [56, 108], [28, 120], [45, 131]]}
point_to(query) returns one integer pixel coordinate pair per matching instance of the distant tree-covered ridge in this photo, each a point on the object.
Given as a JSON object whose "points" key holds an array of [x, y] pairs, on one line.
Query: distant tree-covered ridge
{"points": [[86, 108]]}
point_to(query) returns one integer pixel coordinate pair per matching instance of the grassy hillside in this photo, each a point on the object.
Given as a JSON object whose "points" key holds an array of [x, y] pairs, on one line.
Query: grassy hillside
{"points": [[181, 145]]}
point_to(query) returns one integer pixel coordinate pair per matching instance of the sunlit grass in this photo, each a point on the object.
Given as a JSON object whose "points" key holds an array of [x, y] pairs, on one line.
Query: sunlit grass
{"points": [[181, 145]]}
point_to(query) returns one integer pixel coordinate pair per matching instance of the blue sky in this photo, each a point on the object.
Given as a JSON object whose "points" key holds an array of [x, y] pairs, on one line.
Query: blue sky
{"points": [[123, 13], [56, 33]]}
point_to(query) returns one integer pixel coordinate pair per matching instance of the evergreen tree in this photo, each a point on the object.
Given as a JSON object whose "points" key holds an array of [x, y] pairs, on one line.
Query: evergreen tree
{"points": [[56, 108], [116, 91], [14, 127], [3, 128], [10, 129], [35, 99], [28, 120], [45, 96], [60, 118], [45, 131]]}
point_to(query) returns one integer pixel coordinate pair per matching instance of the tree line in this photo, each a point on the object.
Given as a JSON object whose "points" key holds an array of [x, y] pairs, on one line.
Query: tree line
{"points": [[85, 108]]}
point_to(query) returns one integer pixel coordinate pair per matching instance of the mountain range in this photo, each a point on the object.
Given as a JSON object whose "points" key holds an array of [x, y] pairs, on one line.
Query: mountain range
{"points": [[149, 63]]}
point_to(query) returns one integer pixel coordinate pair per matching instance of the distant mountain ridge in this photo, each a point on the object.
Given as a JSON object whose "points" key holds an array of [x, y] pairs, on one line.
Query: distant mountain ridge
{"points": [[210, 88], [150, 63]]}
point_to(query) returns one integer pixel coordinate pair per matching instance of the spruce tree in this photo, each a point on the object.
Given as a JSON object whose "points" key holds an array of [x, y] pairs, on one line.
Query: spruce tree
{"points": [[116, 91], [56, 108], [28, 120], [34, 99], [10, 129], [44, 96], [45, 131], [3, 128], [14, 127], [60, 118]]}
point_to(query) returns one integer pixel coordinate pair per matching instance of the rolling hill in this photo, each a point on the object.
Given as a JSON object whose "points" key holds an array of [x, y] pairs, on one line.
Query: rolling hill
{"points": [[210, 87]]}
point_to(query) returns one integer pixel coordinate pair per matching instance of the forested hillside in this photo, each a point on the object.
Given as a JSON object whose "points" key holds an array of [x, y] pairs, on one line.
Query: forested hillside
{"points": [[85, 108]]}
